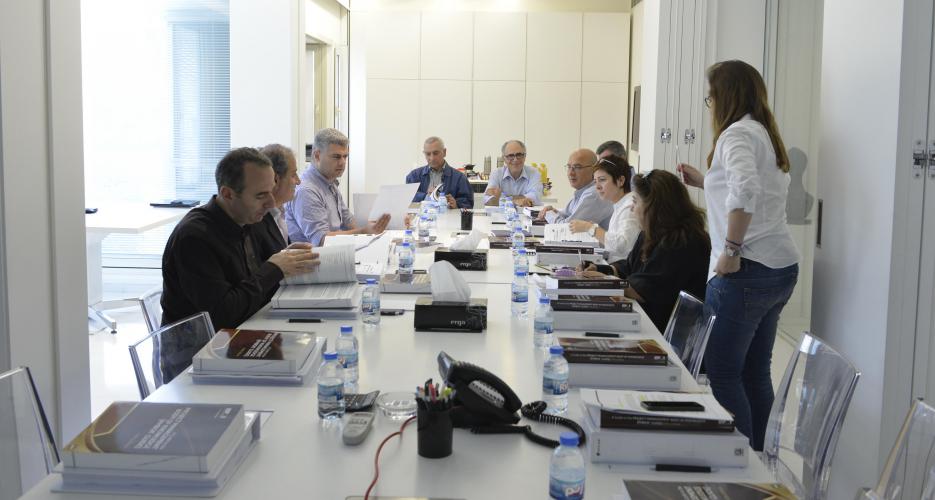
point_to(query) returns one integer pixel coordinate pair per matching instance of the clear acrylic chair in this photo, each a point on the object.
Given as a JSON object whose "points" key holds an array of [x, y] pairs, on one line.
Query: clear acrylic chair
{"points": [[27, 445], [909, 473], [807, 415], [688, 331], [152, 308], [163, 354]]}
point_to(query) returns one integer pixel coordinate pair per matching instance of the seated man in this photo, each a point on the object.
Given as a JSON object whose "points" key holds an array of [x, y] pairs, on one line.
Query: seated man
{"points": [[514, 179], [318, 209], [272, 231], [611, 148], [437, 172], [213, 262], [585, 204]]}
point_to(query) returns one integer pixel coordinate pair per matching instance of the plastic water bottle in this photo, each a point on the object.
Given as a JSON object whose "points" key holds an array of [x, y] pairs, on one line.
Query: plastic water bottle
{"points": [[370, 302], [555, 381], [346, 345], [502, 204], [519, 238], [442, 202], [424, 229], [331, 388], [519, 295], [405, 258], [542, 323], [407, 236], [520, 262], [566, 469]]}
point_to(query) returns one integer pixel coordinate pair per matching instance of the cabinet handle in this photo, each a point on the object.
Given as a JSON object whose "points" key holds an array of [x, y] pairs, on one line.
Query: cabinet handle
{"points": [[919, 158], [689, 136], [665, 135]]}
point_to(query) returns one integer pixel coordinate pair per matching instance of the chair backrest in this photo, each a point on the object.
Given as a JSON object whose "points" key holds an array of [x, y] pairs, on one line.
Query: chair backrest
{"points": [[688, 331], [27, 445], [807, 415], [152, 308], [168, 351], [909, 473]]}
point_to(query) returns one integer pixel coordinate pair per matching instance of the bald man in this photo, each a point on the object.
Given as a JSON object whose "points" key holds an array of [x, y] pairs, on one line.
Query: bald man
{"points": [[585, 204]]}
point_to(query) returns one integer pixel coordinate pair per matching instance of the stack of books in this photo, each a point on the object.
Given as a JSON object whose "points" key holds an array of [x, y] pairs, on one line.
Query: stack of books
{"points": [[406, 283], [330, 291], [257, 356], [503, 242], [568, 254], [619, 363], [622, 429], [653, 490], [177, 449], [582, 303]]}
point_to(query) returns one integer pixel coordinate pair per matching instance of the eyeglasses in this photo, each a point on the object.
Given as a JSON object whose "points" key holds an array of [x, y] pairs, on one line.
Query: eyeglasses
{"points": [[514, 156], [707, 101], [576, 167]]}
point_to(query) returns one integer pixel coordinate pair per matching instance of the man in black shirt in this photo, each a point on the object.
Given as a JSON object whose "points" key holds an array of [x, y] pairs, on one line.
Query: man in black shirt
{"points": [[214, 261]]}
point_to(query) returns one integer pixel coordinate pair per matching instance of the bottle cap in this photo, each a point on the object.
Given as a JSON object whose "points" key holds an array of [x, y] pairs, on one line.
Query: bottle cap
{"points": [[371, 281], [568, 439], [521, 251], [556, 349], [330, 356], [346, 329], [545, 299]]}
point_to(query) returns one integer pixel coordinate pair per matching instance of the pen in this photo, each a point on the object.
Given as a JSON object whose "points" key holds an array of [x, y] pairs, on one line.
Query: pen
{"points": [[305, 320], [682, 468]]}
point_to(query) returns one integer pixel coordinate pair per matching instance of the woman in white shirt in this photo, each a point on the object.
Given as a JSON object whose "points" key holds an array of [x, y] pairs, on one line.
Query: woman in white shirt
{"points": [[612, 176], [754, 262]]}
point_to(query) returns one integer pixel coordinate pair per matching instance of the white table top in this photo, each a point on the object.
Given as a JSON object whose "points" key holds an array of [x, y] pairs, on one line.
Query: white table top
{"points": [[130, 218], [303, 456]]}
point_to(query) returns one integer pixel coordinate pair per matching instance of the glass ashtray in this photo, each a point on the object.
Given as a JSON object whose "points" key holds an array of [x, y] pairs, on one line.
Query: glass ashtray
{"points": [[397, 405]]}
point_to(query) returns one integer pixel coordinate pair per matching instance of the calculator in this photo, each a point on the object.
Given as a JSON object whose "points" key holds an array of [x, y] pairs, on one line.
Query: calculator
{"points": [[360, 402]]}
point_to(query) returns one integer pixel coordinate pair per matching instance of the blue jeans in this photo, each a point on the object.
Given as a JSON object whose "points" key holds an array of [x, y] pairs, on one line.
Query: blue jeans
{"points": [[747, 304]]}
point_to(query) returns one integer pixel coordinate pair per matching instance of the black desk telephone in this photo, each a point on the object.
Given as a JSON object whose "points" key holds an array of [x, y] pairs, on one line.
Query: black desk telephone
{"points": [[486, 405]]}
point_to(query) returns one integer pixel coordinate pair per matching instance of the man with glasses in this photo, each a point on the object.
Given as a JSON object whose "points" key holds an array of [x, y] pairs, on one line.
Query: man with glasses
{"points": [[437, 174], [585, 204], [514, 178]]}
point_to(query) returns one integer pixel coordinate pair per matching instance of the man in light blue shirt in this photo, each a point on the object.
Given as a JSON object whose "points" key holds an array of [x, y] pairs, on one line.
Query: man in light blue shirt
{"points": [[585, 204], [318, 209], [515, 179]]}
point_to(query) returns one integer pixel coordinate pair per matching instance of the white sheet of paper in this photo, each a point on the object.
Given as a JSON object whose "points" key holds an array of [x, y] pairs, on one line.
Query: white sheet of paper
{"points": [[562, 232], [394, 200], [337, 266], [363, 203]]}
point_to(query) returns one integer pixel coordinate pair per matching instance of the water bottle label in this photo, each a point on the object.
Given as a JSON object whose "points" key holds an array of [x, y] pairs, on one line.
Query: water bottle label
{"points": [[405, 261], [370, 306], [555, 386], [566, 490], [331, 392], [520, 296], [542, 326], [348, 359]]}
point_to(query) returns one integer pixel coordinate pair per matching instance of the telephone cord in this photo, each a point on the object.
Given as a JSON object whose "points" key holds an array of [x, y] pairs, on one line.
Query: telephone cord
{"points": [[376, 458]]}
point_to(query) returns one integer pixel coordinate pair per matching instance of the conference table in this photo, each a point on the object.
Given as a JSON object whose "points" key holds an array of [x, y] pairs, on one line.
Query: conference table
{"points": [[299, 455]]}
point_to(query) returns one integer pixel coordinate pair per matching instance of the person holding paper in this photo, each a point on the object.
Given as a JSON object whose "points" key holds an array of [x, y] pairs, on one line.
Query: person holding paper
{"points": [[318, 209], [612, 182], [515, 179], [213, 260], [437, 174], [585, 204]]}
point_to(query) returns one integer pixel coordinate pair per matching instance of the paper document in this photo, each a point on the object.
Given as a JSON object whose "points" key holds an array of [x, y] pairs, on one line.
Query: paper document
{"points": [[358, 241], [394, 200], [562, 232], [363, 203], [629, 402], [337, 266]]}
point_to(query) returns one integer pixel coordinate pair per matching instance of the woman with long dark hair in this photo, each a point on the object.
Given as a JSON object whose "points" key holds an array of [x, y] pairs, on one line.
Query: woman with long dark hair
{"points": [[754, 262], [671, 251]]}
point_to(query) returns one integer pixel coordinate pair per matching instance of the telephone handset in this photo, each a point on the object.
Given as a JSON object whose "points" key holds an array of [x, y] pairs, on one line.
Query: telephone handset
{"points": [[481, 398]]}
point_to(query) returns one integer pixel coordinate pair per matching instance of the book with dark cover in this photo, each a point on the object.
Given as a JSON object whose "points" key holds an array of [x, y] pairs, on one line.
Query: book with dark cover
{"points": [[566, 249], [613, 351], [145, 436], [255, 351], [654, 490], [616, 420], [507, 243], [598, 303], [586, 283]]}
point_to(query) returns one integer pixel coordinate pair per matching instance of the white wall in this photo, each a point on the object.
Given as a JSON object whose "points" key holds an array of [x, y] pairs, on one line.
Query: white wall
{"points": [[851, 302], [43, 198], [323, 20], [557, 80]]}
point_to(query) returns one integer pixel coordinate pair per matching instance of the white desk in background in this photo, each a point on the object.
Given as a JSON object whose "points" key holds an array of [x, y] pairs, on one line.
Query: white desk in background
{"points": [[124, 218]]}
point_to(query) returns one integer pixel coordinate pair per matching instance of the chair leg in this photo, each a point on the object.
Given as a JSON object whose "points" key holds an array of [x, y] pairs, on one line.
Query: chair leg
{"points": [[102, 318]]}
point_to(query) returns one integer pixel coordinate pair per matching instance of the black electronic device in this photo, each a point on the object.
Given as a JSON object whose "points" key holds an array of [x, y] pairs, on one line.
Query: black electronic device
{"points": [[672, 406], [175, 203], [481, 398], [90, 210], [602, 334], [392, 312], [360, 402]]}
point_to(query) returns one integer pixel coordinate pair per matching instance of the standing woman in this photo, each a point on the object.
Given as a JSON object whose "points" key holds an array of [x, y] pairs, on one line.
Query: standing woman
{"points": [[754, 262], [612, 183]]}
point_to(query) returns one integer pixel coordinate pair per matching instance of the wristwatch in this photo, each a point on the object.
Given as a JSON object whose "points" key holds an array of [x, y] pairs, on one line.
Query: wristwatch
{"points": [[731, 251], [592, 230]]}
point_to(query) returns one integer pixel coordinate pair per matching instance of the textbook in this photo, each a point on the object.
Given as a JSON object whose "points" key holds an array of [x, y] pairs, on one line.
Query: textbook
{"points": [[586, 284], [596, 321], [337, 266], [622, 409], [321, 296], [613, 351], [255, 351], [652, 490], [617, 376], [598, 303], [501, 243], [145, 436], [412, 283]]}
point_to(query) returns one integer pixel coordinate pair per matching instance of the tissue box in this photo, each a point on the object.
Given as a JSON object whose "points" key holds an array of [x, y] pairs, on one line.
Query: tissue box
{"points": [[431, 315], [475, 260]]}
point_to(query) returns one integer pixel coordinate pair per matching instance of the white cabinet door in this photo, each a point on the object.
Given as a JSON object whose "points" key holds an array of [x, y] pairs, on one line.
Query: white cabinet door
{"points": [[392, 44], [500, 46], [606, 47], [447, 45], [393, 146], [553, 51], [445, 112], [498, 116], [552, 128]]}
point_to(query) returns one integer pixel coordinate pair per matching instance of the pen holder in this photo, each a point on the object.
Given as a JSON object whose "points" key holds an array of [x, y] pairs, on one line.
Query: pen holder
{"points": [[434, 432], [467, 220]]}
